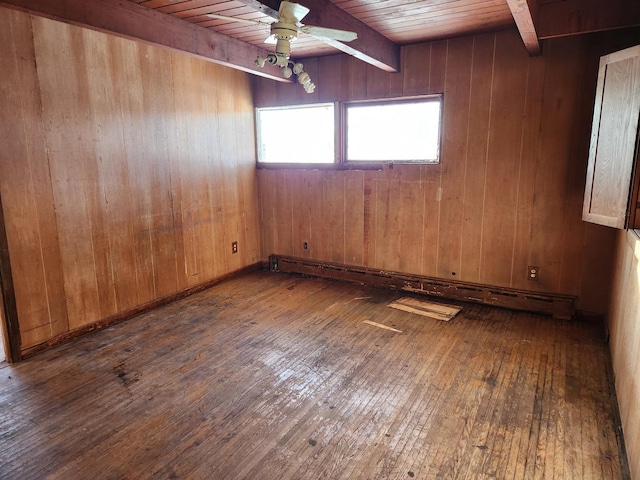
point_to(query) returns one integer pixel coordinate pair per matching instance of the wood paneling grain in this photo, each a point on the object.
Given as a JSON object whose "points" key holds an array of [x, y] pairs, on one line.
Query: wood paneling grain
{"points": [[624, 330], [127, 175], [480, 103], [406, 196], [500, 201], [154, 81], [416, 66], [431, 218], [300, 213], [283, 209], [29, 209], [353, 216], [333, 204], [69, 154], [527, 173], [571, 17], [438, 66], [329, 78], [455, 132], [551, 216], [243, 134], [503, 196]]}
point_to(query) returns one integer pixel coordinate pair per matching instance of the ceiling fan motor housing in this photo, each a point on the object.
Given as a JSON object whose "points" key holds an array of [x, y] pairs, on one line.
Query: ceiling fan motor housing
{"points": [[284, 34]]}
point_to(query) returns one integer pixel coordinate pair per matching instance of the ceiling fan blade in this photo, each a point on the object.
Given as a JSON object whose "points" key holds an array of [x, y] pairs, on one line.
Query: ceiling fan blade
{"points": [[329, 33], [236, 19], [292, 12]]}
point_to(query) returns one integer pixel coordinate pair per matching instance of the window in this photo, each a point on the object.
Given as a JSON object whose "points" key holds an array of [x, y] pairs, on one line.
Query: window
{"points": [[374, 132], [301, 134], [406, 131]]}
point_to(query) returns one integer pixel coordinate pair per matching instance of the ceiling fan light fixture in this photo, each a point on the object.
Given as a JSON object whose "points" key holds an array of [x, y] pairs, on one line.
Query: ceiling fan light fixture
{"points": [[284, 31], [305, 80]]}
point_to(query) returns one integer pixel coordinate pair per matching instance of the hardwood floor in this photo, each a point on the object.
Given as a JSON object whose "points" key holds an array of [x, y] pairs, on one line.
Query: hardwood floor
{"points": [[275, 376]]}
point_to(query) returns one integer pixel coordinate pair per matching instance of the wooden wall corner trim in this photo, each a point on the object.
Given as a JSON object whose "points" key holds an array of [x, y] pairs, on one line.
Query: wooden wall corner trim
{"points": [[12, 327], [132, 312]]}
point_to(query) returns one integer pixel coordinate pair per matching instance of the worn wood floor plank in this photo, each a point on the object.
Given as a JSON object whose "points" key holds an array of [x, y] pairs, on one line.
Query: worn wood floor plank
{"points": [[276, 376]]}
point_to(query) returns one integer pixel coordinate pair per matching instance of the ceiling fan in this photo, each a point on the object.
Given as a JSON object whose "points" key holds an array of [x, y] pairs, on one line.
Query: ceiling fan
{"points": [[284, 31]]}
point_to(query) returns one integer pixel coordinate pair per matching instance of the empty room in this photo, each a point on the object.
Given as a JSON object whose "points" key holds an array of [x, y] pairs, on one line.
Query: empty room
{"points": [[320, 240]]}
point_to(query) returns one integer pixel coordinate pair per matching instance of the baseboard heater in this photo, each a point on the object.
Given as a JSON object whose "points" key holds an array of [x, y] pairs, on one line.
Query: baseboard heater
{"points": [[558, 306]]}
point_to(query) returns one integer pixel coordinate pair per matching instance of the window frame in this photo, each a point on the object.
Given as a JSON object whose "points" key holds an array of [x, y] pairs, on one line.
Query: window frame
{"points": [[388, 101], [340, 137], [258, 137]]}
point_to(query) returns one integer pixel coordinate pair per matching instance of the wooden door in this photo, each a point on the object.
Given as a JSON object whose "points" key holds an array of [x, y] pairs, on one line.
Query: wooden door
{"points": [[613, 139]]}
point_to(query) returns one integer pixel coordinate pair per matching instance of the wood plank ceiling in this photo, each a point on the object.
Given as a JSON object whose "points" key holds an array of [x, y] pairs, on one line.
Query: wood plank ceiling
{"points": [[382, 26], [400, 21]]}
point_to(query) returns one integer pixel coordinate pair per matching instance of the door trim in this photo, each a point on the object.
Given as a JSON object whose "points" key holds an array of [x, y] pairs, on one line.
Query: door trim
{"points": [[11, 325]]}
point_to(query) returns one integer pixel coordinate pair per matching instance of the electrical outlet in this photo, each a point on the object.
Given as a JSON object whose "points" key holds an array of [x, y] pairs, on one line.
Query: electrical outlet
{"points": [[533, 272], [305, 245], [234, 247]]}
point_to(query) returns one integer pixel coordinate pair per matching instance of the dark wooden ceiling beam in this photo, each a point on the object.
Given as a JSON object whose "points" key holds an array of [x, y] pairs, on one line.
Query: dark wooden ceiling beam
{"points": [[130, 20], [370, 46], [523, 14], [572, 17]]}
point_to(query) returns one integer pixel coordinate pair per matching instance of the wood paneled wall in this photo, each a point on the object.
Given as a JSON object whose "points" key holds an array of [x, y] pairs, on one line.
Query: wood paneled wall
{"points": [[507, 193], [126, 171], [624, 328]]}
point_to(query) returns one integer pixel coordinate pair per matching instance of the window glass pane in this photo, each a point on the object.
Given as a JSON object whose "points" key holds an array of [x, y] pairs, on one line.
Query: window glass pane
{"points": [[296, 134], [399, 132]]}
